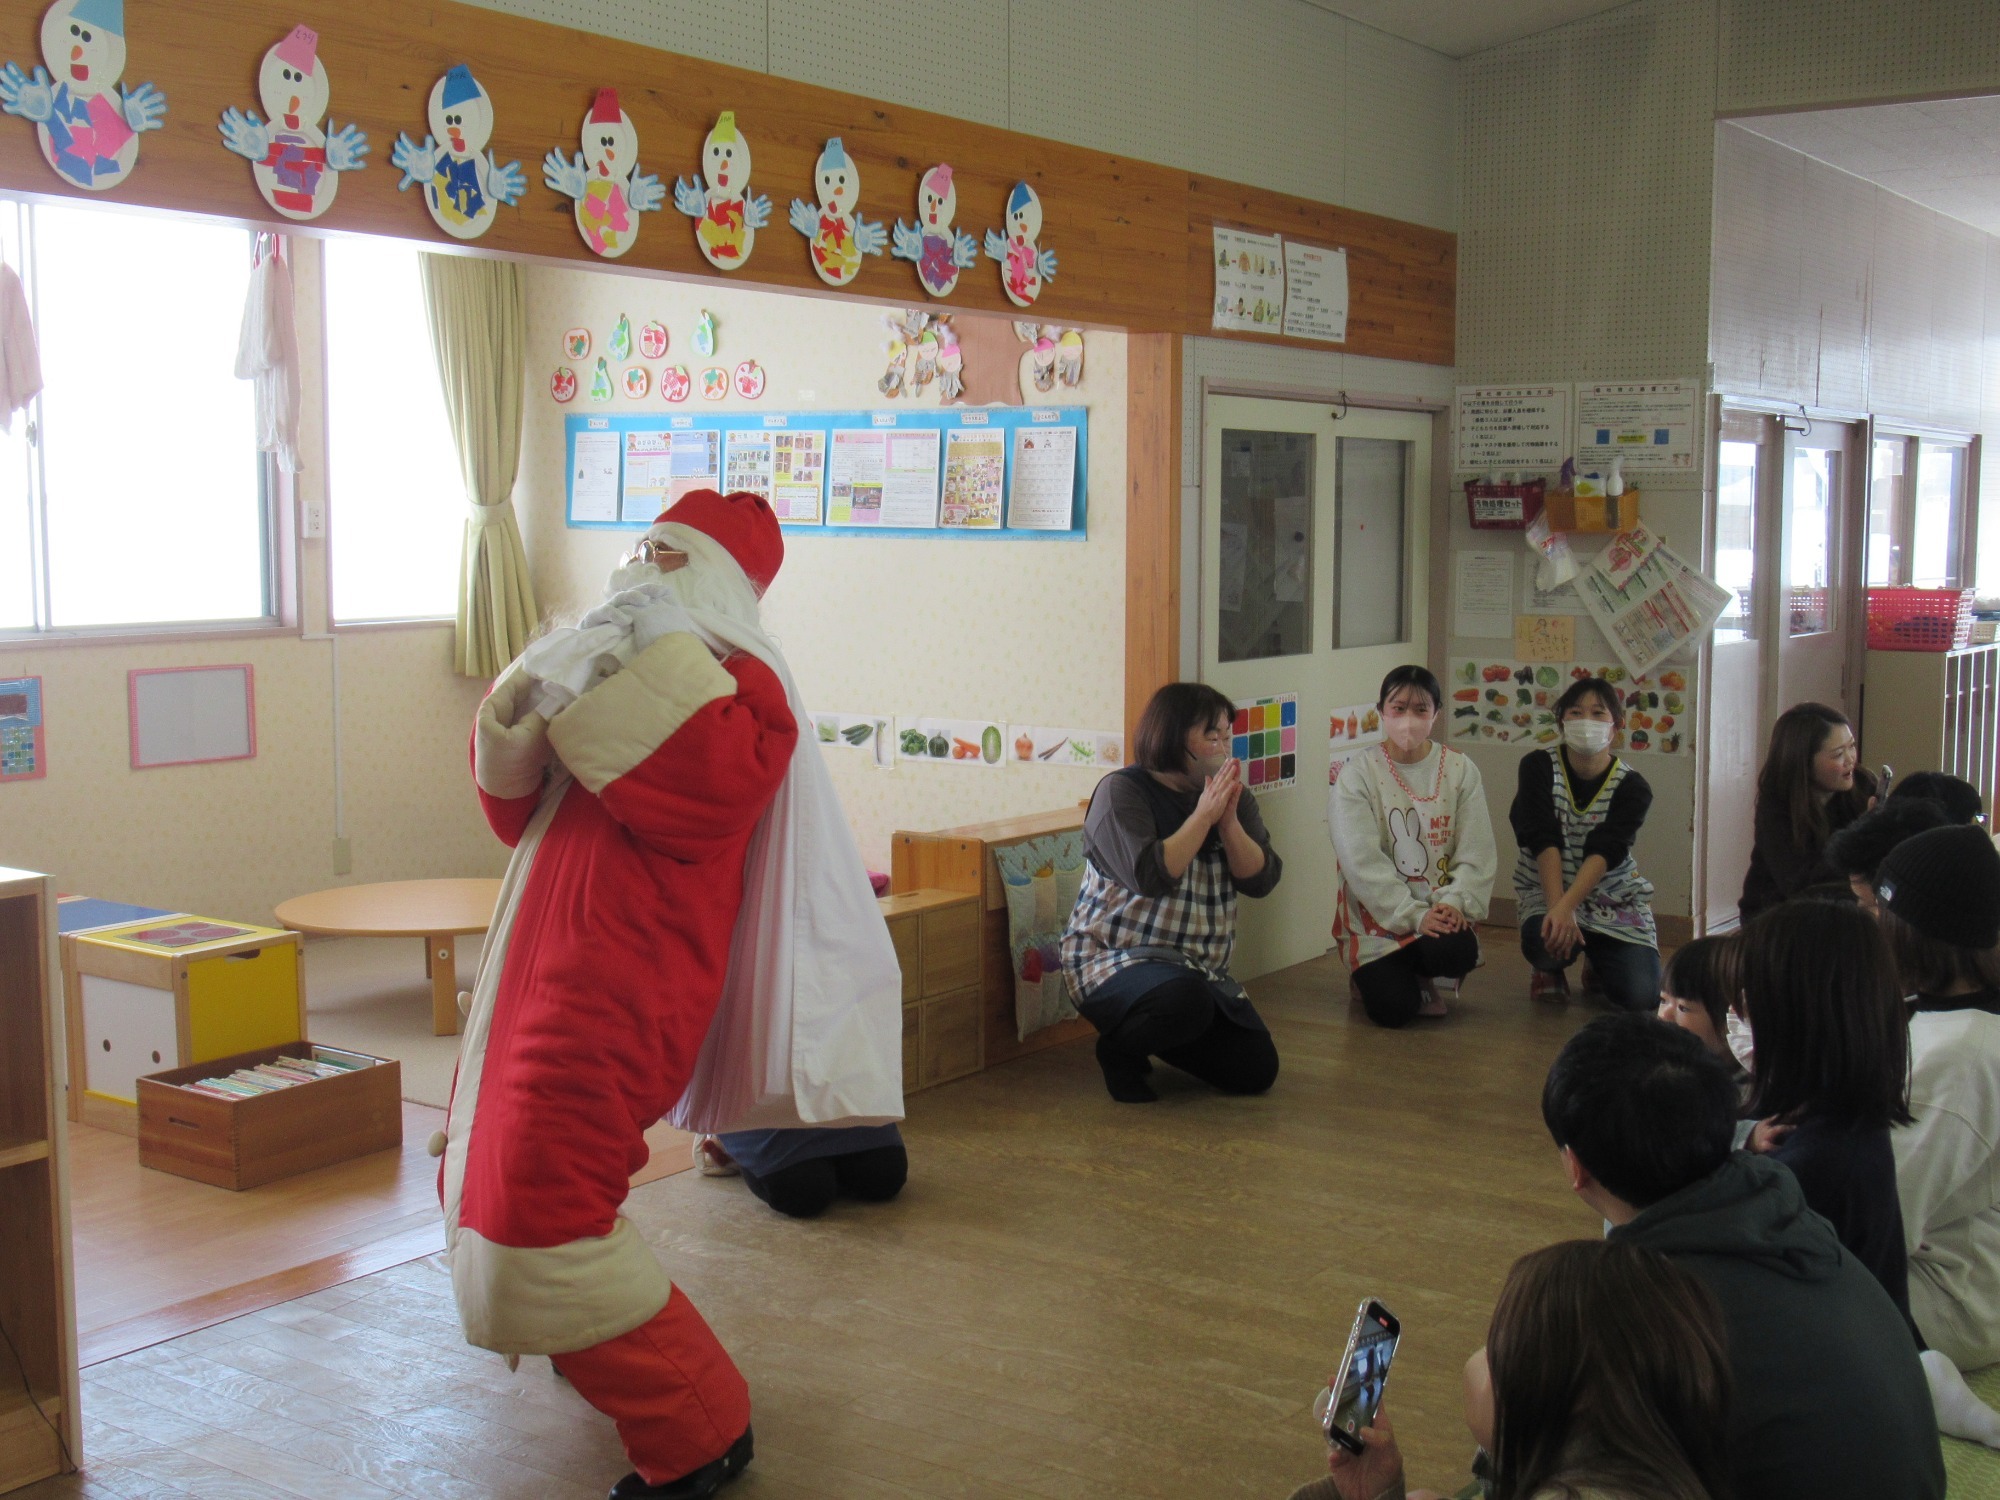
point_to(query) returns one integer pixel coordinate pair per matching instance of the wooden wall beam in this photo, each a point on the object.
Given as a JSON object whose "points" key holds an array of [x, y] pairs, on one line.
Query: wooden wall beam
{"points": [[1152, 518], [1124, 231]]}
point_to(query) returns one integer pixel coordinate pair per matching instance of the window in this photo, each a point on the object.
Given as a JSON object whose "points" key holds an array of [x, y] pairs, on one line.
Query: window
{"points": [[396, 503], [1812, 515], [141, 499], [1370, 483], [1265, 589], [1736, 484], [1917, 513]]}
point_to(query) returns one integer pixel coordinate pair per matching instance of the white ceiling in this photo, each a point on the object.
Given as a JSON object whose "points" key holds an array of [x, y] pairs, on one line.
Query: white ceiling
{"points": [[1459, 27], [1944, 154]]}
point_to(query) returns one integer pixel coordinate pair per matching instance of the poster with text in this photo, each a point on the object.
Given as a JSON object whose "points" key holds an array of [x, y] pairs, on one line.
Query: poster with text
{"points": [[1249, 281], [1264, 736], [975, 478], [747, 464], [910, 478], [1511, 428], [1662, 608], [854, 477], [1315, 293], [1650, 424], [1041, 497], [798, 477], [594, 484]]}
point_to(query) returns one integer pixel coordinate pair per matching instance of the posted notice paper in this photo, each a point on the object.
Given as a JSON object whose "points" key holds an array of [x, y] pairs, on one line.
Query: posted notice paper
{"points": [[854, 477], [910, 478], [1483, 599], [1315, 293], [975, 478], [1044, 486], [593, 490], [1249, 280], [798, 477]]}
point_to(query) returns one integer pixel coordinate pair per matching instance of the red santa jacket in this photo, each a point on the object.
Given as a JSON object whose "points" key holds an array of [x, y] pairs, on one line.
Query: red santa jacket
{"points": [[601, 976]]}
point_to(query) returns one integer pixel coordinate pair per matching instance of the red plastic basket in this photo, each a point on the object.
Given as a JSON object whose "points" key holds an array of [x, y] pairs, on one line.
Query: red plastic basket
{"points": [[1919, 619]]}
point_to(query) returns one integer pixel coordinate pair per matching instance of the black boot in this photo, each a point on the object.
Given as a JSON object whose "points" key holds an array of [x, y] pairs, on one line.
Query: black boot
{"points": [[1125, 1073], [699, 1485]]}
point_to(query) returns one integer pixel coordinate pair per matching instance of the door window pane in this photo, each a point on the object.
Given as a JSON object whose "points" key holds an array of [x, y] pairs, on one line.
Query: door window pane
{"points": [[1934, 544], [1815, 510], [1264, 588], [1885, 488], [17, 551], [1735, 536], [397, 507], [155, 493], [1370, 495]]}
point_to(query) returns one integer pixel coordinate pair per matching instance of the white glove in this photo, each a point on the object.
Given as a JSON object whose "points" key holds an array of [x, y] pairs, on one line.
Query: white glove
{"points": [[511, 742]]}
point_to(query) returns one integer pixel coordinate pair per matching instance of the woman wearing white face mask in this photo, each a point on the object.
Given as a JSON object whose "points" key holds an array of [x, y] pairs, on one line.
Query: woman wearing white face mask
{"points": [[1169, 844], [1415, 846], [1576, 812]]}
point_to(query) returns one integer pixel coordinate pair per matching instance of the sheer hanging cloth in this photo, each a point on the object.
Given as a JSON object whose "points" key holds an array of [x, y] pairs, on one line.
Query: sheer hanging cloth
{"points": [[478, 320], [267, 352]]}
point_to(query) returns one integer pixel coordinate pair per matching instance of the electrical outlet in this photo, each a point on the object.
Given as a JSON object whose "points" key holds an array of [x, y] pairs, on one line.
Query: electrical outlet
{"points": [[343, 856], [312, 526]]}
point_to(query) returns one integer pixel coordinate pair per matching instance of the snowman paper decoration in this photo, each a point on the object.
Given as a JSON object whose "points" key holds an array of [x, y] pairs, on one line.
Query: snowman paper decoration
{"points": [[939, 250], [727, 215], [1023, 266], [88, 126], [837, 236], [464, 185], [605, 180], [294, 163]]}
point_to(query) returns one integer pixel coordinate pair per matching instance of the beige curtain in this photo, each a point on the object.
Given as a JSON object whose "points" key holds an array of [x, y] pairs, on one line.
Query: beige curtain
{"points": [[478, 317]]}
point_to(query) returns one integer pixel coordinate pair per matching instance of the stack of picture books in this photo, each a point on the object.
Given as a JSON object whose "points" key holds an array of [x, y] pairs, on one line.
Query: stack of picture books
{"points": [[286, 1072]]}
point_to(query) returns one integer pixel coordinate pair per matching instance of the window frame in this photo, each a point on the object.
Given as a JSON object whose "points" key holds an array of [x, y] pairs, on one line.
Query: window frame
{"points": [[328, 481], [1962, 545], [279, 571]]}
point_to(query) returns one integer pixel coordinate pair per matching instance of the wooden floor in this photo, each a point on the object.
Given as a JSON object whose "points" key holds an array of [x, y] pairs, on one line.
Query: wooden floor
{"points": [[1072, 1298]]}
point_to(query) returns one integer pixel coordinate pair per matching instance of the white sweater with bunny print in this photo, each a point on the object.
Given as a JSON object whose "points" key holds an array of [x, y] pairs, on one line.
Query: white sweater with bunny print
{"points": [[1407, 838]]}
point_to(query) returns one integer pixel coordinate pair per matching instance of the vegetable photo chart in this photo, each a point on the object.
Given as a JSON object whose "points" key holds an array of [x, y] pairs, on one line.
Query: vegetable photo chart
{"points": [[1513, 703], [878, 473], [1265, 737]]}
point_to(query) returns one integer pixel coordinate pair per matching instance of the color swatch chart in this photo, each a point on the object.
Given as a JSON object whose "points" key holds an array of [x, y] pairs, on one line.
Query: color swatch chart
{"points": [[1265, 737]]}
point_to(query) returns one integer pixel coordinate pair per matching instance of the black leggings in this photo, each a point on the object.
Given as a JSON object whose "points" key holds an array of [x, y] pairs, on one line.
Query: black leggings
{"points": [[1180, 1023], [1391, 987], [806, 1189]]}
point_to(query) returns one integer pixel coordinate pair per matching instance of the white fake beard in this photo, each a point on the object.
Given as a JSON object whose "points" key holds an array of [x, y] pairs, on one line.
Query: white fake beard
{"points": [[711, 580]]}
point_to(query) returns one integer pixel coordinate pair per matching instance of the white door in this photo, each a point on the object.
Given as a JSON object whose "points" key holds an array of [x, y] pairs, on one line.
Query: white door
{"points": [[1820, 568], [1314, 583]]}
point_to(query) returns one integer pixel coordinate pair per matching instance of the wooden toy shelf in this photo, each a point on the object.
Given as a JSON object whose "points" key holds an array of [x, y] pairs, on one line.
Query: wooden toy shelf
{"points": [[39, 1431]]}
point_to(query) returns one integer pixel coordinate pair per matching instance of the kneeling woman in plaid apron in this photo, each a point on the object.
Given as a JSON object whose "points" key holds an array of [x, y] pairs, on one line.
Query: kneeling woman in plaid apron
{"points": [[1170, 842]]}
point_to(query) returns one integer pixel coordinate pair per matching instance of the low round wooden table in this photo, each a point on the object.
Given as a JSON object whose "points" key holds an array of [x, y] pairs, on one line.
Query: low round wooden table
{"points": [[438, 911]]}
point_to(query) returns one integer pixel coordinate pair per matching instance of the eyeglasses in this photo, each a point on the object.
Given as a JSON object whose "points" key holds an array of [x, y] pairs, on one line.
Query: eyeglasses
{"points": [[661, 554]]}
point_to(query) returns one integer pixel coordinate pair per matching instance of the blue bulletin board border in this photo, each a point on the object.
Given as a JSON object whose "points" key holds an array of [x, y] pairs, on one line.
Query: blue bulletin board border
{"points": [[1005, 419]]}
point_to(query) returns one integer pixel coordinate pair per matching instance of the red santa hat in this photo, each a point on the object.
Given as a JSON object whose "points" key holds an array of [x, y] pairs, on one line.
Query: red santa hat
{"points": [[742, 523]]}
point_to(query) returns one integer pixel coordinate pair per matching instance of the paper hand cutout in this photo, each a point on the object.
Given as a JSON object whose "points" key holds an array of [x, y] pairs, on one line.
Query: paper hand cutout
{"points": [[412, 160], [508, 181], [245, 134], [564, 176], [691, 198], [32, 99], [804, 217], [756, 211], [908, 242], [143, 107], [345, 148], [648, 193], [966, 253]]}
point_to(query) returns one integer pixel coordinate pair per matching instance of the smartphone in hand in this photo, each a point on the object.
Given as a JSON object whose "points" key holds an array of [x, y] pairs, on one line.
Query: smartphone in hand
{"points": [[1350, 1401]]}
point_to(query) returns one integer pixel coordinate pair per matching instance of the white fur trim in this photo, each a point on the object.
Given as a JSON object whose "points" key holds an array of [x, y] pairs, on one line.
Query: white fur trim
{"points": [[615, 726], [559, 1299]]}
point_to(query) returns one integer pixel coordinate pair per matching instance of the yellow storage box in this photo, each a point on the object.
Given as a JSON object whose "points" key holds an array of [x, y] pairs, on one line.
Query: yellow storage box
{"points": [[171, 992]]}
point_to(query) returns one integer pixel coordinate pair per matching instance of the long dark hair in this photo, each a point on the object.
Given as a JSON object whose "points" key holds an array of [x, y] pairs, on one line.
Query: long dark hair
{"points": [[1787, 778], [1610, 1370], [1825, 1007]]}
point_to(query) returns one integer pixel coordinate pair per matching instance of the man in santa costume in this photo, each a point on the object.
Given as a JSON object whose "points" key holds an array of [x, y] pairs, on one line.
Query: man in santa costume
{"points": [[647, 768]]}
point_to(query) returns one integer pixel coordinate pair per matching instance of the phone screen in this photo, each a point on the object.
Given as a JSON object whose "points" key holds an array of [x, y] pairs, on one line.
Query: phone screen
{"points": [[1356, 1393]]}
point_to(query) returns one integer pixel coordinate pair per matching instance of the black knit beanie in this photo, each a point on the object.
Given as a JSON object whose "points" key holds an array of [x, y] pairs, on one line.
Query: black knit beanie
{"points": [[1860, 847], [1946, 884]]}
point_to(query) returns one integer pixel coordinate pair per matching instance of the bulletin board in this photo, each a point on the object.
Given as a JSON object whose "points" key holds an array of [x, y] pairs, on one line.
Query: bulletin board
{"points": [[621, 471], [187, 715]]}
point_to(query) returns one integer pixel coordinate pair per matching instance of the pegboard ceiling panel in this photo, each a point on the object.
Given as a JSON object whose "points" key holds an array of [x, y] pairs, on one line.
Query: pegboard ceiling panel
{"points": [[1779, 54], [951, 59]]}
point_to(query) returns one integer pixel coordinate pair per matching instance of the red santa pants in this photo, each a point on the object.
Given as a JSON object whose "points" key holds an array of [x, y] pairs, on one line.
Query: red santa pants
{"points": [[676, 1395]]}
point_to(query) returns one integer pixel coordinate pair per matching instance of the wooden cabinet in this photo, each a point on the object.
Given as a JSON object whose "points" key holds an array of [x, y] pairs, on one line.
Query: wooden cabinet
{"points": [[171, 992], [1935, 711], [961, 859], [40, 1433], [936, 934]]}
